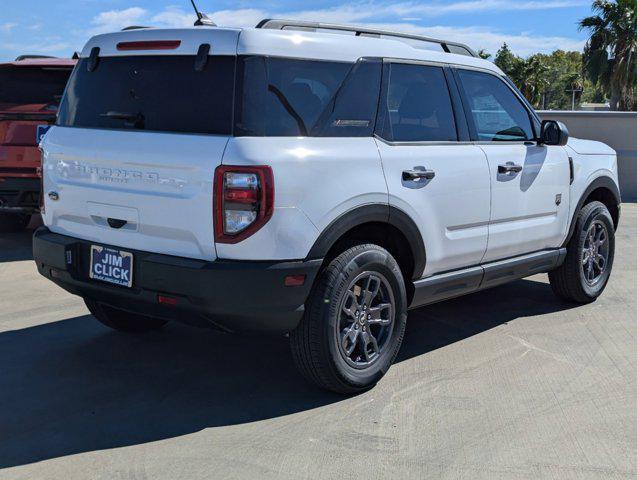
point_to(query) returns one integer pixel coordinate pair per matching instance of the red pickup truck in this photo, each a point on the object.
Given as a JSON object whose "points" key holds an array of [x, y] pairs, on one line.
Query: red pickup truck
{"points": [[30, 91]]}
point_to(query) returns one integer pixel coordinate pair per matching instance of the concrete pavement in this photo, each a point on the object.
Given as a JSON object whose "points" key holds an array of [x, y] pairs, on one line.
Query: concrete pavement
{"points": [[508, 383]]}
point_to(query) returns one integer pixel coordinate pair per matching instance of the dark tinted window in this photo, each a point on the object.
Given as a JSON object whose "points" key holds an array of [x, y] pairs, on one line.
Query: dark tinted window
{"points": [[26, 85], [418, 105], [161, 93], [352, 110], [289, 97], [497, 114]]}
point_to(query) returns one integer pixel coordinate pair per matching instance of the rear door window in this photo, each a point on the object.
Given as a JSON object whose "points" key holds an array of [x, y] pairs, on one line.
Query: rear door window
{"points": [[158, 93], [417, 105]]}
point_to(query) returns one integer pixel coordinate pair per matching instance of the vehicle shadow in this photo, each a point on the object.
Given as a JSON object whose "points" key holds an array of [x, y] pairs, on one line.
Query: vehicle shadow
{"points": [[18, 246], [73, 386]]}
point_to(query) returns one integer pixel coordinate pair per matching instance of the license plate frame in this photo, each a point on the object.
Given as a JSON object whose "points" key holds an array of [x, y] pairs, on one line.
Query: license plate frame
{"points": [[111, 265]]}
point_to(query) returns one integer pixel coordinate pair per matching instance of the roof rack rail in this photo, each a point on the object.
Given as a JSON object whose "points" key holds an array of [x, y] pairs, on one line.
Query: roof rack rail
{"points": [[30, 57], [446, 46]]}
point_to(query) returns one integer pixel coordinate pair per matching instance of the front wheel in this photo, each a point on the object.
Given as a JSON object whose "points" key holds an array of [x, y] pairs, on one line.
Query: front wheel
{"points": [[354, 321], [121, 320], [589, 258]]}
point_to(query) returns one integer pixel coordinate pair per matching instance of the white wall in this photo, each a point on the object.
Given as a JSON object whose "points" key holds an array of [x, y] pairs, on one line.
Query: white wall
{"points": [[617, 129]]}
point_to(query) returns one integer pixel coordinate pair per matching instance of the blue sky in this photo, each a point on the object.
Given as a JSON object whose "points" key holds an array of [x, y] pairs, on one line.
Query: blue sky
{"points": [[59, 27]]}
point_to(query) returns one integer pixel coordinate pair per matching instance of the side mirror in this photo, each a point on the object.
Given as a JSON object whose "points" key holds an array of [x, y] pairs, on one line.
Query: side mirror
{"points": [[553, 133]]}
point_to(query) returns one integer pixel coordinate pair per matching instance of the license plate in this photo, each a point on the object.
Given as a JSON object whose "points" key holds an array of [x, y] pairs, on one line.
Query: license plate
{"points": [[40, 132], [111, 265]]}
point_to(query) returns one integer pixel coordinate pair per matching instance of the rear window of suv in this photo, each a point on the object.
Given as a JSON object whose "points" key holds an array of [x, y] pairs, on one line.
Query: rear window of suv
{"points": [[32, 85], [154, 92]]}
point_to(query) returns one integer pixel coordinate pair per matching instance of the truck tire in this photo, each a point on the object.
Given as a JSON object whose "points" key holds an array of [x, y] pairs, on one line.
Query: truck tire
{"points": [[121, 320], [14, 222], [589, 259], [354, 321]]}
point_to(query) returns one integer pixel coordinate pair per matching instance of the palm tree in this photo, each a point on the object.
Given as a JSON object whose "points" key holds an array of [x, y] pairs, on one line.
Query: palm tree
{"points": [[574, 83], [532, 74], [610, 54]]}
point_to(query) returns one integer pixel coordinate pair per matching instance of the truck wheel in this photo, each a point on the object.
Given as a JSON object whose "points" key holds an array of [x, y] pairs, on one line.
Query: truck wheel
{"points": [[121, 320], [354, 321], [589, 259], [13, 222]]}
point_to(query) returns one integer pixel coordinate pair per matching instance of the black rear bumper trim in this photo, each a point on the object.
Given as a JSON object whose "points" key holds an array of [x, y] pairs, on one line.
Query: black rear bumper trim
{"points": [[247, 296]]}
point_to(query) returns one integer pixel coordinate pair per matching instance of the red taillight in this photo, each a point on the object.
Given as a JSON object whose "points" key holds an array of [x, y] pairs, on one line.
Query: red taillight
{"points": [[149, 45], [243, 201]]}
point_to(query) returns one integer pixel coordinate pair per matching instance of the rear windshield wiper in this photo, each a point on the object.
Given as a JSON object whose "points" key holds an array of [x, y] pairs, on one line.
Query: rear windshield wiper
{"points": [[135, 120]]}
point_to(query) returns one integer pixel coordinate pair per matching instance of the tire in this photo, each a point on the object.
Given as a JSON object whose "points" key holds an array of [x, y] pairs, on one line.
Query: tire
{"points": [[121, 320], [320, 344], [14, 222], [572, 280]]}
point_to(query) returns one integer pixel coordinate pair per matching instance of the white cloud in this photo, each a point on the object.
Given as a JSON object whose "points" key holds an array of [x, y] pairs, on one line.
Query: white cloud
{"points": [[523, 44], [114, 20], [7, 27]]}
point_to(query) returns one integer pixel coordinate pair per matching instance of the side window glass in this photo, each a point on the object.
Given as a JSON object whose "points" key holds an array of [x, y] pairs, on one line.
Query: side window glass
{"points": [[352, 110], [497, 114], [417, 105], [284, 97]]}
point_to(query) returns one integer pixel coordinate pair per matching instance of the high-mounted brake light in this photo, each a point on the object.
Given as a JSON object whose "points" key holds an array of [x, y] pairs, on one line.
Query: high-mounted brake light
{"points": [[149, 45], [243, 201]]}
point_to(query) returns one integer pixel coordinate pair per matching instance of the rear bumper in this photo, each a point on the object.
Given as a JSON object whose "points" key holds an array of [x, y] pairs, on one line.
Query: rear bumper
{"points": [[233, 295], [19, 195]]}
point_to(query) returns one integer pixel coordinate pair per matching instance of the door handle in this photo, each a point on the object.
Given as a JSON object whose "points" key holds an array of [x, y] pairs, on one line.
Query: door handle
{"points": [[416, 174], [509, 168]]}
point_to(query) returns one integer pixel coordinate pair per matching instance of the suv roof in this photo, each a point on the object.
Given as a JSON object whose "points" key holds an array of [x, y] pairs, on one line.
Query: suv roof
{"points": [[273, 41]]}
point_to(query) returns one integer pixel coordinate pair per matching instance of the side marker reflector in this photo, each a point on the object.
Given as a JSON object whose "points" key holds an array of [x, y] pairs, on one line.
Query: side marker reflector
{"points": [[294, 280]]}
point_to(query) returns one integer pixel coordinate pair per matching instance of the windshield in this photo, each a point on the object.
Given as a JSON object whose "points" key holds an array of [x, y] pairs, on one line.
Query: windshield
{"points": [[158, 93], [32, 85]]}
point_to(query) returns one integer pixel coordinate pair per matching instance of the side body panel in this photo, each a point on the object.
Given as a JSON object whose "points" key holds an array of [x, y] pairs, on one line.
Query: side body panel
{"points": [[452, 209], [529, 209], [316, 181], [599, 166]]}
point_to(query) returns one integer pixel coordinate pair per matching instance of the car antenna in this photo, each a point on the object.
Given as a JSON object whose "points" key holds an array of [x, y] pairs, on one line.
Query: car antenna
{"points": [[202, 18]]}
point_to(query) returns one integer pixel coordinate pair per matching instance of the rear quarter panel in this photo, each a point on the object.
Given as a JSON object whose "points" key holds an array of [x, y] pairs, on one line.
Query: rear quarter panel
{"points": [[316, 180]]}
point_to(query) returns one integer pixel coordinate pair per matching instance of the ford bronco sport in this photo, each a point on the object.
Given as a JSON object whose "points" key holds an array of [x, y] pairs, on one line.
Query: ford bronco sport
{"points": [[30, 90], [292, 179]]}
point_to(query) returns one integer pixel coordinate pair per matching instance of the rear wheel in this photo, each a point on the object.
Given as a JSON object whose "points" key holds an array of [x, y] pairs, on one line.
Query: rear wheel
{"points": [[354, 322], [121, 320], [14, 222], [589, 259]]}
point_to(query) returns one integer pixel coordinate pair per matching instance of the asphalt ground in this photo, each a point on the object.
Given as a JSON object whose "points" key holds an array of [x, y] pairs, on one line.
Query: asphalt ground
{"points": [[508, 383]]}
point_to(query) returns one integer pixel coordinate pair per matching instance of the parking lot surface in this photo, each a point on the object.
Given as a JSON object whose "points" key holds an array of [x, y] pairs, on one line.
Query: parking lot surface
{"points": [[508, 383]]}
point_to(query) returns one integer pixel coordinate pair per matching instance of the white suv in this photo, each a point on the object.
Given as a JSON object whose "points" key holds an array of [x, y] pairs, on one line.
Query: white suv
{"points": [[294, 179]]}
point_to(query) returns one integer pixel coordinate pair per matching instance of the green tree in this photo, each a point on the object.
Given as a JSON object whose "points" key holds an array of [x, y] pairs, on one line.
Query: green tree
{"points": [[482, 53], [534, 72], [506, 60], [610, 55]]}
